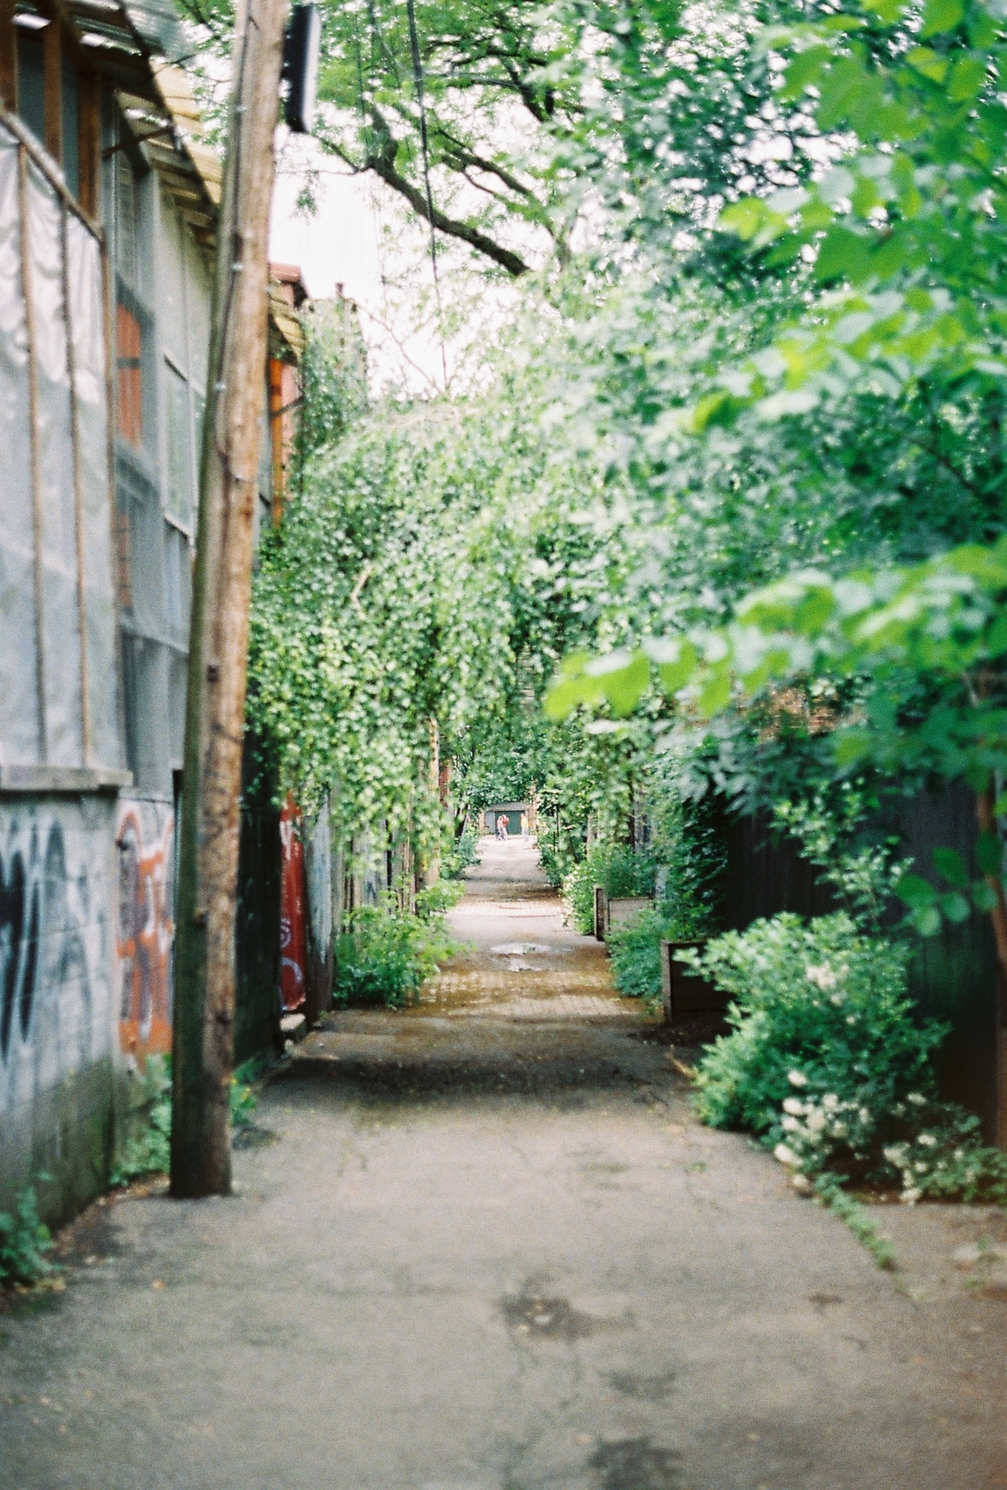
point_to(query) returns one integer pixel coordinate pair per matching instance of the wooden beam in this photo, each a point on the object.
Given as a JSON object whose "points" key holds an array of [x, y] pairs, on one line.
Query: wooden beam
{"points": [[35, 451], [197, 219], [52, 51], [205, 975], [8, 56], [90, 142]]}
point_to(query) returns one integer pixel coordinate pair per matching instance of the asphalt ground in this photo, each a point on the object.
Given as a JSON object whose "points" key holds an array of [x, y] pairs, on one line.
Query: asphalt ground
{"points": [[483, 1244]]}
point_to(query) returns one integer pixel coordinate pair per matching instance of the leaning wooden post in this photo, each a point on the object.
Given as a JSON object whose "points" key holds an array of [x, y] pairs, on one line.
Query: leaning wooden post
{"points": [[208, 841]]}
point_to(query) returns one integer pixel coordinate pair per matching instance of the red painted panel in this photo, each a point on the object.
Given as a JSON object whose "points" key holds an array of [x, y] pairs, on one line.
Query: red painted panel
{"points": [[292, 909]]}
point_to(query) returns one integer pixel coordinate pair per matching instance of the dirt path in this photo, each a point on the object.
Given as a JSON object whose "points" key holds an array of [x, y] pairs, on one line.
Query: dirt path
{"points": [[482, 1245]]}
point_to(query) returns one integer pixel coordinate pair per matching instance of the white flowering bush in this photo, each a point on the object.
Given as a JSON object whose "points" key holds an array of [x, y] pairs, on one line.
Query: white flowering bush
{"points": [[820, 1011], [942, 1156], [827, 1063]]}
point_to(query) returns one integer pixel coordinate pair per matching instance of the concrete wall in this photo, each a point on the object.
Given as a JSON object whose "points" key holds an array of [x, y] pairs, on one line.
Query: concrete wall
{"points": [[58, 1062]]}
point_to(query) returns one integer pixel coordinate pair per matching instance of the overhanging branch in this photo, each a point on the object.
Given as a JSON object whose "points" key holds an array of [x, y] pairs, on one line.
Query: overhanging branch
{"points": [[381, 161]]}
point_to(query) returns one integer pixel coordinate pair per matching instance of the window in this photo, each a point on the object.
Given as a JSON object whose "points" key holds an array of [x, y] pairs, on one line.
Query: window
{"points": [[55, 94], [31, 76], [179, 432], [71, 127], [127, 219], [129, 377]]}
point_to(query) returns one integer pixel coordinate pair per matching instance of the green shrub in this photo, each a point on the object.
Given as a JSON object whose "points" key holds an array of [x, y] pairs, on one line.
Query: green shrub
{"points": [[438, 898], [690, 855], [828, 1065], [818, 1008], [556, 862], [389, 953], [624, 871], [243, 1098], [635, 949], [149, 1150], [462, 854], [578, 897], [618, 870], [24, 1241]]}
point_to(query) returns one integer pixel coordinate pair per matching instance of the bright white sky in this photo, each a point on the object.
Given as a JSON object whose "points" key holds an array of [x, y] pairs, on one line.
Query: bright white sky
{"points": [[337, 246], [362, 237], [341, 244]]}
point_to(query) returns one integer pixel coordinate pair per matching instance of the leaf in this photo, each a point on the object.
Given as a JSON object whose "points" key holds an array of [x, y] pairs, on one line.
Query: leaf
{"points": [[709, 408], [951, 866], [984, 897], [850, 746], [940, 16], [888, 11], [716, 691], [915, 892], [930, 63], [843, 254], [574, 686], [989, 853], [927, 920], [744, 217], [955, 907], [784, 252], [624, 686], [996, 640], [967, 78], [803, 70], [675, 674], [811, 613], [977, 777], [1000, 806]]}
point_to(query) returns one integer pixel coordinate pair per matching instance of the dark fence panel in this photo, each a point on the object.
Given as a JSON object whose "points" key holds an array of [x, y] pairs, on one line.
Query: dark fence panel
{"points": [[257, 932], [766, 875], [954, 975]]}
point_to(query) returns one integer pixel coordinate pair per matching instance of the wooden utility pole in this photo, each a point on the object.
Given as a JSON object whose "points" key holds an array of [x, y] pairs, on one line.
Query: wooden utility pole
{"points": [[214, 726]]}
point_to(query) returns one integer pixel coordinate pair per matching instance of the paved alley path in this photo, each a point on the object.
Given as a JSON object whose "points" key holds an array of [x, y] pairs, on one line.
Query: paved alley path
{"points": [[483, 1245]]}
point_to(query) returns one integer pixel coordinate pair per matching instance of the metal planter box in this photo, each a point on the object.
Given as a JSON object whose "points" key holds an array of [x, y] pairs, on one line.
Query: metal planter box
{"points": [[682, 990], [621, 909], [600, 906]]}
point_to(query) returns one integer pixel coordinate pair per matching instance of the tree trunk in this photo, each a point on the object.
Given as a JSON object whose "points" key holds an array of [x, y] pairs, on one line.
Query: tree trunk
{"points": [[214, 727], [998, 915]]}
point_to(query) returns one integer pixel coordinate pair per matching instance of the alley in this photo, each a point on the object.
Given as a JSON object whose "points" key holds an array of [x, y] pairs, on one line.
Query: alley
{"points": [[482, 1244]]}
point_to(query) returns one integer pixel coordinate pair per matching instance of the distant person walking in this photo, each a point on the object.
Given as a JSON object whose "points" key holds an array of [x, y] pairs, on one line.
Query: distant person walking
{"points": [[502, 826], [524, 825]]}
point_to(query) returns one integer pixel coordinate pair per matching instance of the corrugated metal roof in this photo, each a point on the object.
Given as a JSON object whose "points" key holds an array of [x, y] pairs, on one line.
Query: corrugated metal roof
{"points": [[158, 25]]}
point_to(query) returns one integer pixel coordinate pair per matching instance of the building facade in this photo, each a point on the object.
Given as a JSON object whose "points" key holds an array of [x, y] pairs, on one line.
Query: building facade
{"points": [[108, 198]]}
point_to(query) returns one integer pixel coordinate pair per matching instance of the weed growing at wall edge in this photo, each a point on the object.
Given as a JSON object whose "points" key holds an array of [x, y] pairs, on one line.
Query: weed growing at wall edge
{"points": [[149, 1151], [24, 1241]]}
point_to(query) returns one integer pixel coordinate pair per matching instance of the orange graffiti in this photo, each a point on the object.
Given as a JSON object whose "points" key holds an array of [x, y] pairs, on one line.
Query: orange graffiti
{"points": [[145, 939]]}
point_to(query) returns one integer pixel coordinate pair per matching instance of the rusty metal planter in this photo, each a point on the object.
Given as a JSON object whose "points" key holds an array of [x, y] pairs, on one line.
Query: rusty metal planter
{"points": [[683, 991]]}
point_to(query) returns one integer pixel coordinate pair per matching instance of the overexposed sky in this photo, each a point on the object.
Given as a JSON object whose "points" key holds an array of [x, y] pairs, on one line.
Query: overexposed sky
{"points": [[345, 242], [339, 245], [363, 237]]}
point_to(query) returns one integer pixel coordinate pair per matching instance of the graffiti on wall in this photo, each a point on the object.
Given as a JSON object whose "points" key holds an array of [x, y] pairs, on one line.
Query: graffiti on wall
{"points": [[292, 938], [20, 896], [50, 935], [145, 934]]}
